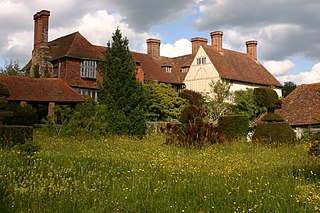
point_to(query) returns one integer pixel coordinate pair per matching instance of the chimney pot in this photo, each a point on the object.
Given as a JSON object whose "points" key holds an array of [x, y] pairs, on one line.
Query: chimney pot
{"points": [[216, 40], [153, 47], [252, 48], [197, 42]]}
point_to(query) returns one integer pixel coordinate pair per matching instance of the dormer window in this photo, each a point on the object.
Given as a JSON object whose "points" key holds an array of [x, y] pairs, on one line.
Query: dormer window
{"points": [[202, 60], [184, 69], [167, 69], [88, 69]]}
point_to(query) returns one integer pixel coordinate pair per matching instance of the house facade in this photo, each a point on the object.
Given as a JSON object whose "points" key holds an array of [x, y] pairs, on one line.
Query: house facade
{"points": [[74, 59]]}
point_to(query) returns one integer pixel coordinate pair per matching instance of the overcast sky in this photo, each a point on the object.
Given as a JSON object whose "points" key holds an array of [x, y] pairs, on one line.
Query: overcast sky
{"points": [[287, 31]]}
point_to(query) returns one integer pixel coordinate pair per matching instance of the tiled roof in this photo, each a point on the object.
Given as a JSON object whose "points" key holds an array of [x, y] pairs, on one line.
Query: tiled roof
{"points": [[229, 64], [240, 67], [40, 90], [74, 45], [302, 105], [153, 67]]}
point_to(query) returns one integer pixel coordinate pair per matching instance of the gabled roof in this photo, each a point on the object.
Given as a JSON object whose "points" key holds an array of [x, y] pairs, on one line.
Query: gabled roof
{"points": [[40, 90], [153, 67], [238, 66], [74, 45], [302, 105], [230, 64]]}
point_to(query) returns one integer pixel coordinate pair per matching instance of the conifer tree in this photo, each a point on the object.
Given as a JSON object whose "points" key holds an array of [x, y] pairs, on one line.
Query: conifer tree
{"points": [[121, 91]]}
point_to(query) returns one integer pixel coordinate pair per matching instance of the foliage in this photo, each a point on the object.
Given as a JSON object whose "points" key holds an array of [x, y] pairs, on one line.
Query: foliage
{"points": [[121, 91], [28, 149], [122, 174], [266, 97], [194, 98], [272, 117], [4, 91], [234, 126], [88, 118], [21, 115], [11, 68], [163, 103], [13, 135], [193, 131], [288, 87], [217, 104], [314, 141], [274, 133], [244, 104]]}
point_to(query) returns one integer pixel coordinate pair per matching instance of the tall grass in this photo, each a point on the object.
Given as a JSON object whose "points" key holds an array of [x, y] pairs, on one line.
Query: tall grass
{"points": [[120, 174]]}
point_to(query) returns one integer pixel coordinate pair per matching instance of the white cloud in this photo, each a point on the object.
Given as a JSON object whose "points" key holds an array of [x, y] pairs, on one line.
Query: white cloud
{"points": [[180, 47], [307, 77], [279, 68]]}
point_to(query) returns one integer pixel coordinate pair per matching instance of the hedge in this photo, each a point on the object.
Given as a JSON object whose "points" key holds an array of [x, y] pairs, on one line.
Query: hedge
{"points": [[274, 133], [13, 135], [272, 117], [234, 126]]}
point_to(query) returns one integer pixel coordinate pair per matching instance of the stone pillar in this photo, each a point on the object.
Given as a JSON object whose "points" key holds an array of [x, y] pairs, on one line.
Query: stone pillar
{"points": [[51, 109]]}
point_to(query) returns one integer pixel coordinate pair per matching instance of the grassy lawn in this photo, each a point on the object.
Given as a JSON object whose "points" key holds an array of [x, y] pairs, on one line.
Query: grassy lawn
{"points": [[119, 174]]}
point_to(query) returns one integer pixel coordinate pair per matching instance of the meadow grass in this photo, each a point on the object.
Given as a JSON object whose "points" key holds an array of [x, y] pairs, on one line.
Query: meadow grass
{"points": [[121, 174]]}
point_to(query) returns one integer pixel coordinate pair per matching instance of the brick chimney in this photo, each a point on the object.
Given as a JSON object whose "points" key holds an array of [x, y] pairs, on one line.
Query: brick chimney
{"points": [[153, 47], [41, 25], [216, 40], [252, 49], [197, 42], [41, 66]]}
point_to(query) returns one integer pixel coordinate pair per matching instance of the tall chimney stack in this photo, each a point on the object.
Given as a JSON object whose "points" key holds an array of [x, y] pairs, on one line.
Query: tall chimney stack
{"points": [[216, 40], [41, 25], [252, 49], [196, 43], [41, 66], [153, 47]]}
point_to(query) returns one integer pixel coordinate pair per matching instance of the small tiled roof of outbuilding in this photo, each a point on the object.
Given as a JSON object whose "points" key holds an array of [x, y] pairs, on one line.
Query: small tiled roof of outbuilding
{"points": [[238, 66], [302, 106], [40, 90]]}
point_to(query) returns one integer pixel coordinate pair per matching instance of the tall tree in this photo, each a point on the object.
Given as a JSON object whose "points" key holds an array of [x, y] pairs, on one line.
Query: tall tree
{"points": [[288, 87], [11, 68], [121, 91]]}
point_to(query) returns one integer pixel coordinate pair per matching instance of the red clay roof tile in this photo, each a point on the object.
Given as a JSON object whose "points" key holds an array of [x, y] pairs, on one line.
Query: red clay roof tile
{"points": [[40, 90], [302, 105]]}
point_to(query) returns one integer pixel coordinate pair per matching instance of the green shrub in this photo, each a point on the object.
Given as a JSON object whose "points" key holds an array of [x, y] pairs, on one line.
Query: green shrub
{"points": [[314, 139], [274, 133], [13, 135], [25, 116], [272, 117], [234, 126], [194, 98], [266, 97]]}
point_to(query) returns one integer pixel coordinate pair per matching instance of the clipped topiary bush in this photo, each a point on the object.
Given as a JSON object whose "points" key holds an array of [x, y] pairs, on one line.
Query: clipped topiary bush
{"points": [[274, 133], [234, 126], [25, 116], [13, 135], [4, 92], [266, 97], [272, 117]]}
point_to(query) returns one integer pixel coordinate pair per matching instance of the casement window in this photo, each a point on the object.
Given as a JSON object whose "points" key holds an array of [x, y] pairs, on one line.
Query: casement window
{"points": [[88, 69], [168, 69], [184, 69], [202, 60], [87, 92]]}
